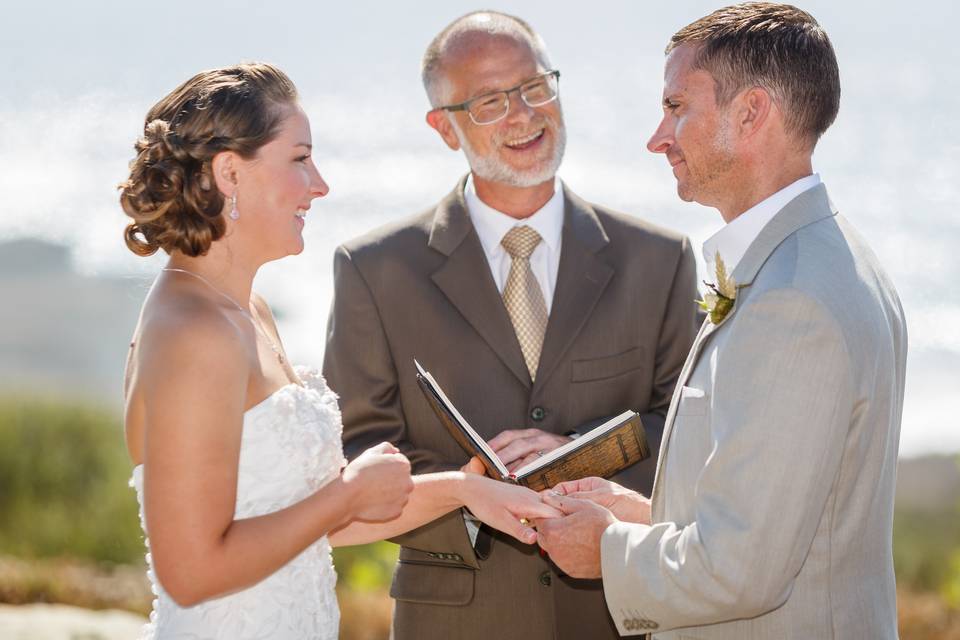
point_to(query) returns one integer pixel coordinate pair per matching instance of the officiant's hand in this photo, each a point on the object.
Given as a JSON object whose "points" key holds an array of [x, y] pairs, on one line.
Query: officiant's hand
{"points": [[517, 447], [502, 506], [380, 483], [625, 504], [573, 541]]}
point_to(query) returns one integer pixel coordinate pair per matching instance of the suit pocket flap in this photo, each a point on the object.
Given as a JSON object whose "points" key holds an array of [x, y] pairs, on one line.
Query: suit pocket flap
{"points": [[608, 366], [432, 584]]}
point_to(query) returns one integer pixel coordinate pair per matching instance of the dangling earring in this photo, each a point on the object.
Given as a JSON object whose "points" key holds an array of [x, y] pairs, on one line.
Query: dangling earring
{"points": [[234, 214]]}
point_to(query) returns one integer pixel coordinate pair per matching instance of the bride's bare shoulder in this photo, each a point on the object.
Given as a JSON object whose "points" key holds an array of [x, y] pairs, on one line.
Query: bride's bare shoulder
{"points": [[187, 355], [180, 332]]}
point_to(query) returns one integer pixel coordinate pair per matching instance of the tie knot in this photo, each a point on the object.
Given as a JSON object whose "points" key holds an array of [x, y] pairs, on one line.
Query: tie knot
{"points": [[521, 241]]}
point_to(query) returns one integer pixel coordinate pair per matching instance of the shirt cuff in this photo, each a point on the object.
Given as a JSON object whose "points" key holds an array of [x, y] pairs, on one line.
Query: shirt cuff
{"points": [[473, 526]]}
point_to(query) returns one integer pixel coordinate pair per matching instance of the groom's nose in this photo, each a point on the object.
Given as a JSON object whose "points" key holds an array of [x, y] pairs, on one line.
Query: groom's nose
{"points": [[662, 138]]}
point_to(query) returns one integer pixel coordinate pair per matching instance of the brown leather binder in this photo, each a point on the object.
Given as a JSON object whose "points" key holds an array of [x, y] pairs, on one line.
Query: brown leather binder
{"points": [[603, 451]]}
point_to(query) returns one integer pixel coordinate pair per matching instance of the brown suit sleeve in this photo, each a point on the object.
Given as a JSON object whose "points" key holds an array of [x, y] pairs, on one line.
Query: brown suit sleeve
{"points": [[359, 367], [678, 330]]}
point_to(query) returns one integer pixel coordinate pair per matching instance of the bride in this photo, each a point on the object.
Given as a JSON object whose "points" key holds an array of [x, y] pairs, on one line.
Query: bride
{"points": [[239, 467]]}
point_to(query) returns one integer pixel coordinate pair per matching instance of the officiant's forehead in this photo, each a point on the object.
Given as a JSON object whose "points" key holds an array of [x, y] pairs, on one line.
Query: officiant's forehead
{"points": [[488, 63], [468, 40]]}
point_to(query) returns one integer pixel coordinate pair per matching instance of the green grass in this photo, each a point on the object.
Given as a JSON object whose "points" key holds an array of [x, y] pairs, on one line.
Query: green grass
{"points": [[926, 551], [63, 492], [366, 568], [63, 483]]}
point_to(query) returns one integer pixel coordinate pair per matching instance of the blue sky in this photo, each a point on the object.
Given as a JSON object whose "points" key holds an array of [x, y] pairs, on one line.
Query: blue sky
{"points": [[79, 78]]}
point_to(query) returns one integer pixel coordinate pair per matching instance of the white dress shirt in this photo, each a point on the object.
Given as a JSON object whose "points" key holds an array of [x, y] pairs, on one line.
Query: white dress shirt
{"points": [[733, 240], [492, 225]]}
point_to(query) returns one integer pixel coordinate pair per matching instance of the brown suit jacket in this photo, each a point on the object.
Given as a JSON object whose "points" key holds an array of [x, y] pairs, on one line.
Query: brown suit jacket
{"points": [[622, 321]]}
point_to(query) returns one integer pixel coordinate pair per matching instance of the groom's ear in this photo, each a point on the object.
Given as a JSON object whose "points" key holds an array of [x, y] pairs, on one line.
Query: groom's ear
{"points": [[752, 112], [438, 119]]}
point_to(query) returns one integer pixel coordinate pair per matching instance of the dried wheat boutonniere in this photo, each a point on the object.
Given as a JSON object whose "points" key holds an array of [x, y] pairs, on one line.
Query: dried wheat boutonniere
{"points": [[718, 301]]}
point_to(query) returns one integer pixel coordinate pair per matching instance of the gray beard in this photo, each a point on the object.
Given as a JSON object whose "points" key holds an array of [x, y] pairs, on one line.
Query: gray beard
{"points": [[490, 167]]}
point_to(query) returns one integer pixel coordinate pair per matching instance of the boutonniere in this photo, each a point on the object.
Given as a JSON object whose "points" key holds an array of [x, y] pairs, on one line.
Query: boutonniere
{"points": [[718, 301]]}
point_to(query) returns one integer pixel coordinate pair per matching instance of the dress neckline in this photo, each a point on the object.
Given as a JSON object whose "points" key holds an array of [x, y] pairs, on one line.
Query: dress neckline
{"points": [[272, 394]]}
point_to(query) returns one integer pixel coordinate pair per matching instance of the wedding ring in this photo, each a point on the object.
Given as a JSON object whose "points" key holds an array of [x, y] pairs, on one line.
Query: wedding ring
{"points": [[524, 521]]}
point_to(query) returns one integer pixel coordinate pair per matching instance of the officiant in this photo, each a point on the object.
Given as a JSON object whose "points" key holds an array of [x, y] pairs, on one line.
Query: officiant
{"points": [[541, 313]]}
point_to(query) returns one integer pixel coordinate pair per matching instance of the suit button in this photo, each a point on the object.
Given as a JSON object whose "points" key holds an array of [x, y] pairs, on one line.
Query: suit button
{"points": [[538, 413], [545, 579]]}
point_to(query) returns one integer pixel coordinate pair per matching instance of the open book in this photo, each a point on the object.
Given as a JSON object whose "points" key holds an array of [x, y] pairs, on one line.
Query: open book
{"points": [[603, 451]]}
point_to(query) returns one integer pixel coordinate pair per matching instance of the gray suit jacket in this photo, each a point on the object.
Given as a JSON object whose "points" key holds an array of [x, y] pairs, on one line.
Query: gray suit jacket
{"points": [[773, 501], [621, 324]]}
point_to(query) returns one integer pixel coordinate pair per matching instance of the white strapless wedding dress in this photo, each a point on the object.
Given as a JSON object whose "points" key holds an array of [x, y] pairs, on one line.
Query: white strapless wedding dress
{"points": [[291, 446]]}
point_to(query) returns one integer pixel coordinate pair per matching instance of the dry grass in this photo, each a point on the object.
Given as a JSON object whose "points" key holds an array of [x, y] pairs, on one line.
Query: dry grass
{"points": [[75, 583], [925, 616], [365, 614]]}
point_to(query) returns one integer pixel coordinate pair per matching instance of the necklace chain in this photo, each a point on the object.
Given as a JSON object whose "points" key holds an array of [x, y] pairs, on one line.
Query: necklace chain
{"points": [[246, 312]]}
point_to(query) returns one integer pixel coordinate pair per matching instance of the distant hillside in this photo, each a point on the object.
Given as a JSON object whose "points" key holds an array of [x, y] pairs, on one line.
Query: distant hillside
{"points": [[930, 483], [62, 333]]}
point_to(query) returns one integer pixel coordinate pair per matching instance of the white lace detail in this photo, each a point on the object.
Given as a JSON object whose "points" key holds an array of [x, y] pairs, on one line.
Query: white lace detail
{"points": [[291, 446]]}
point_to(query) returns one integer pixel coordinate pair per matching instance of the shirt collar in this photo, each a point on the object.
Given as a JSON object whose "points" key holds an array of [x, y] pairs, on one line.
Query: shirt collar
{"points": [[492, 225], [733, 240]]}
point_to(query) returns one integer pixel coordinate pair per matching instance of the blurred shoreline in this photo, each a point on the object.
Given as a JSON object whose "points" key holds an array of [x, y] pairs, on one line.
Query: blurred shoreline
{"points": [[63, 622]]}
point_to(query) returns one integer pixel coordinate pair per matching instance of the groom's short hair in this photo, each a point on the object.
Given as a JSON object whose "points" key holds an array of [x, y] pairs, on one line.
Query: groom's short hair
{"points": [[777, 47]]}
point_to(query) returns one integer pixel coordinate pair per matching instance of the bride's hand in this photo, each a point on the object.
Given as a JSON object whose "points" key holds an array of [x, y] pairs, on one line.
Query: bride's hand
{"points": [[502, 505], [474, 466], [380, 484]]}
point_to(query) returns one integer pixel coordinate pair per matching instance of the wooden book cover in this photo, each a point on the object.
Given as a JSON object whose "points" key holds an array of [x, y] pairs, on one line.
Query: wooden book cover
{"points": [[603, 451]]}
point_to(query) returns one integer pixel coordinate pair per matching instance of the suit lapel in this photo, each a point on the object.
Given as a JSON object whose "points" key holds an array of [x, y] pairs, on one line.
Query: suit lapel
{"points": [[706, 330], [581, 279], [808, 207], [466, 281]]}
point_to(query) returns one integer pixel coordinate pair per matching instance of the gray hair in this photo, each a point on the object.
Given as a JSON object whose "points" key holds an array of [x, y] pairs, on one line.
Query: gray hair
{"points": [[491, 23]]}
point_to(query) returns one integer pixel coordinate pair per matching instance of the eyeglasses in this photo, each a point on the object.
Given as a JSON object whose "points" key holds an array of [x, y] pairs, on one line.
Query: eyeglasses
{"points": [[535, 92]]}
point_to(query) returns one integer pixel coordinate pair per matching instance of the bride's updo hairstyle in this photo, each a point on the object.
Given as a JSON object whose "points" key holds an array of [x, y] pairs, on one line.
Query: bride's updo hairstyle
{"points": [[171, 194]]}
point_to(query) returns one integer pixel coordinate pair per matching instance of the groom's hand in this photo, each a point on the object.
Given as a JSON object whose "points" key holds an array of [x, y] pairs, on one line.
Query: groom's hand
{"points": [[573, 541], [625, 504], [517, 447]]}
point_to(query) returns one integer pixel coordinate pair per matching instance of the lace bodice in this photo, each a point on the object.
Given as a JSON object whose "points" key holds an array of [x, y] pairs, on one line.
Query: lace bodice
{"points": [[290, 447]]}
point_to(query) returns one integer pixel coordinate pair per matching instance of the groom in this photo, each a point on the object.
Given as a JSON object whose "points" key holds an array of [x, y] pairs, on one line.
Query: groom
{"points": [[772, 506]]}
